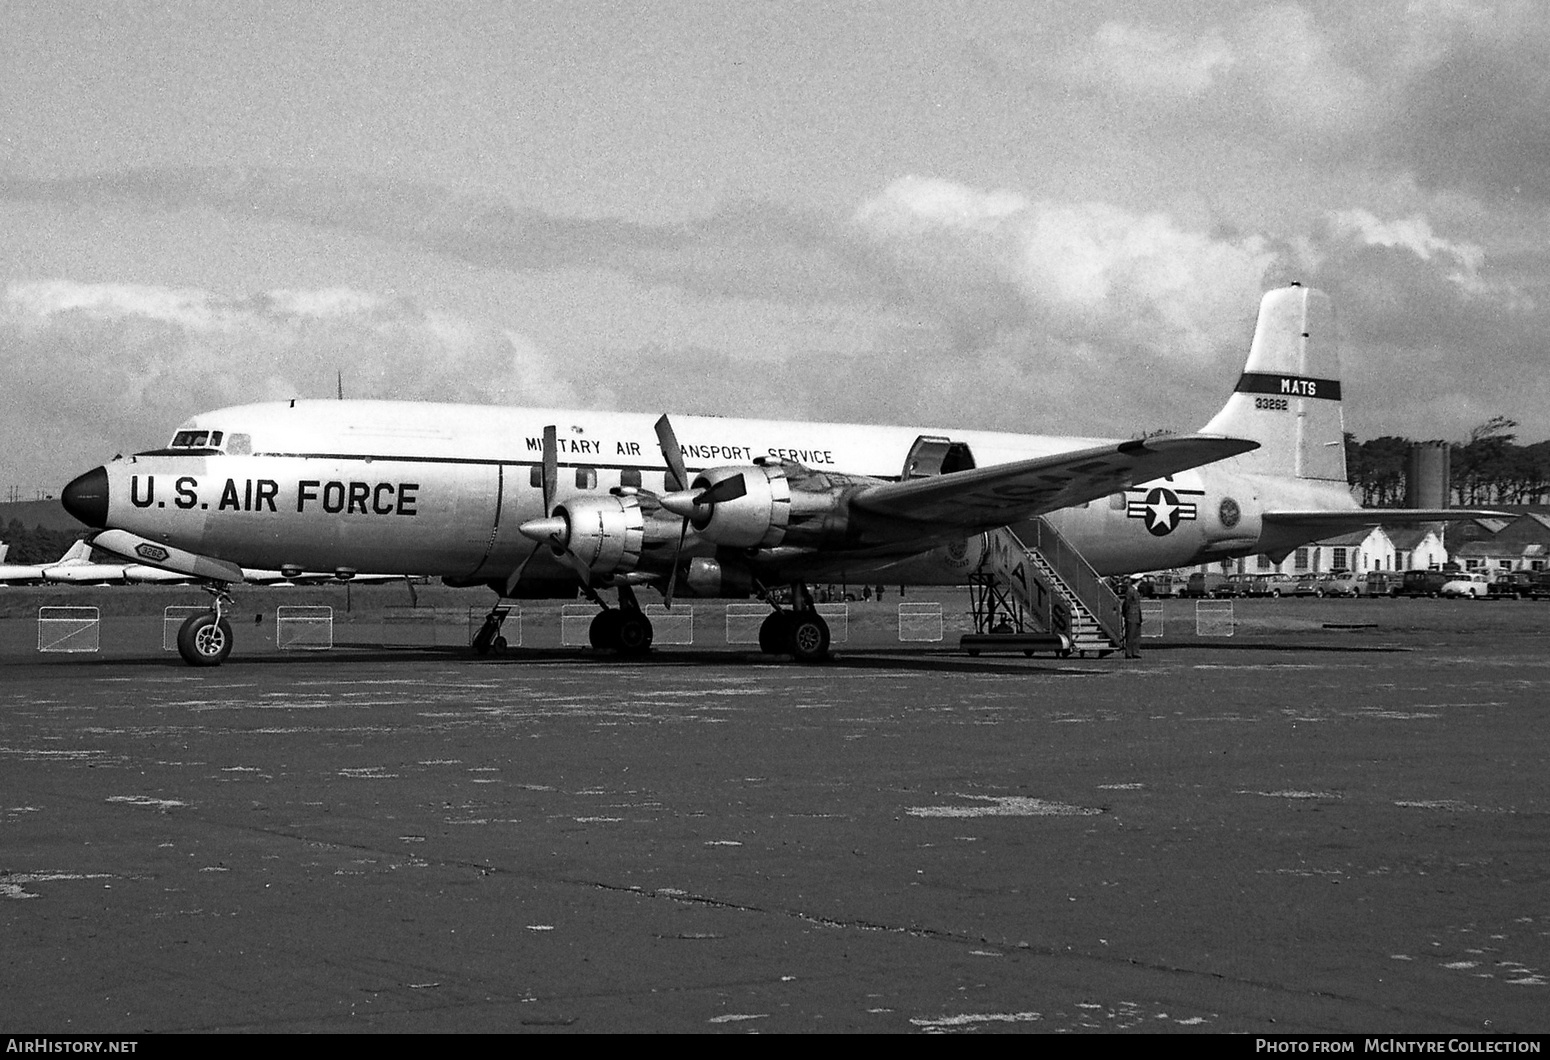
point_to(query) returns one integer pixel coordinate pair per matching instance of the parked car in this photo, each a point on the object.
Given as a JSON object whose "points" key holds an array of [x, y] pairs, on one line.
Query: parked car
{"points": [[1341, 583], [1423, 582], [1158, 586], [1279, 584], [1384, 582], [1202, 585], [1516, 584], [1306, 585], [1466, 584], [1241, 585]]}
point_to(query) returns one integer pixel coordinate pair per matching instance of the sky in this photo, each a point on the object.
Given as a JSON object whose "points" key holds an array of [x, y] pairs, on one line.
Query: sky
{"points": [[1051, 217]]}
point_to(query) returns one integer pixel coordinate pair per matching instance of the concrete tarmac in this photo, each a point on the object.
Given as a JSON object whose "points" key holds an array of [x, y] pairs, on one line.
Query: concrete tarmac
{"points": [[1298, 829]]}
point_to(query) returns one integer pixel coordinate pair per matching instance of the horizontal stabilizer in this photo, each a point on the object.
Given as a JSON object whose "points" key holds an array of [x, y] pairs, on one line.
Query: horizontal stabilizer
{"points": [[1356, 518], [986, 497]]}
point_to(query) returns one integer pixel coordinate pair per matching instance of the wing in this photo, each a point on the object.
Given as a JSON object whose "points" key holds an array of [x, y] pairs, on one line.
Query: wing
{"points": [[987, 497]]}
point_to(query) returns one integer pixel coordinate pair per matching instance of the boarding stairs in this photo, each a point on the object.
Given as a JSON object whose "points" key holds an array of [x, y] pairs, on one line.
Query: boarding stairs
{"points": [[1031, 576]]}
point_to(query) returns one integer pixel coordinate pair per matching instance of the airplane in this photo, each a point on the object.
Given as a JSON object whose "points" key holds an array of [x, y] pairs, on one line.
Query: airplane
{"points": [[23, 573], [543, 503]]}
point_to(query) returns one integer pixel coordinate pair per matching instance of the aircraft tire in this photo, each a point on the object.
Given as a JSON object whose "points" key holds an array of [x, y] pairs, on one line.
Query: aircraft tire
{"points": [[775, 633], [604, 631], [633, 634], [809, 638], [204, 641]]}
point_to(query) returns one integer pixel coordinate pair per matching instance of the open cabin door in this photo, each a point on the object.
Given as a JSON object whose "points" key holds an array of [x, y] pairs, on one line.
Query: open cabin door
{"points": [[934, 455]]}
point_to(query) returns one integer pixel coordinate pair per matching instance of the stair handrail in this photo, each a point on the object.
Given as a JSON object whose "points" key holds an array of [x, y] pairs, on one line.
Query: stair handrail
{"points": [[1089, 587]]}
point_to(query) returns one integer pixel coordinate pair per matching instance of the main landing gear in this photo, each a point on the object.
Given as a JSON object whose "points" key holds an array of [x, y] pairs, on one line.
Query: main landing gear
{"points": [[624, 629], [800, 632], [206, 639]]}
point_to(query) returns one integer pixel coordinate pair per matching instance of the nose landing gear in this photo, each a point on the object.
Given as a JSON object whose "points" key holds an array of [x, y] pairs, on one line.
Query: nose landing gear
{"points": [[206, 639]]}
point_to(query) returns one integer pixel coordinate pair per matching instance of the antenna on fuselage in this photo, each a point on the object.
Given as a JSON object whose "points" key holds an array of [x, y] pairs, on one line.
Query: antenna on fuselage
{"points": [[339, 377]]}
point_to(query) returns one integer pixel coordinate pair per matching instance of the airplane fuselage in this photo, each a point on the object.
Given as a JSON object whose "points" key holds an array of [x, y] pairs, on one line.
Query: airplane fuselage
{"points": [[414, 488]]}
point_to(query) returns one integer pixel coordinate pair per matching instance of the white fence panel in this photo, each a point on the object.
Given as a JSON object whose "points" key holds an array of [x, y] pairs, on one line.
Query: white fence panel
{"points": [[1151, 618], [172, 619], [69, 629], [743, 622], [670, 627], [838, 618], [576, 625], [304, 628], [1213, 618], [920, 621]]}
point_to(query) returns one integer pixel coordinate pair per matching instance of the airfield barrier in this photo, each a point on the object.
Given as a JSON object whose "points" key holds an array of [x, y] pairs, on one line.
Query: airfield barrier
{"points": [[69, 629], [1213, 618], [1151, 618], [920, 621], [172, 619], [743, 622], [670, 627], [576, 625], [838, 618], [300, 627]]}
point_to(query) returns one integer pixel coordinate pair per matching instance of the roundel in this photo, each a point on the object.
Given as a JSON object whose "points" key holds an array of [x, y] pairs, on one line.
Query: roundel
{"points": [[957, 551], [1229, 512], [1163, 512]]}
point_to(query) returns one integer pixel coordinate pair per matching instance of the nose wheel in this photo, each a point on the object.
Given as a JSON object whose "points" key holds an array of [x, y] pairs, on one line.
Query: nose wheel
{"points": [[206, 639]]}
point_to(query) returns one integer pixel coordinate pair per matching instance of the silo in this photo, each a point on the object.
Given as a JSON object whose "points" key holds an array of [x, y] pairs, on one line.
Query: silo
{"points": [[1428, 473]]}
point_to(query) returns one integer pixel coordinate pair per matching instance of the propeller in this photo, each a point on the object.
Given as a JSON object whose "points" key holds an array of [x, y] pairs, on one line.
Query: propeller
{"points": [[552, 529], [668, 442]]}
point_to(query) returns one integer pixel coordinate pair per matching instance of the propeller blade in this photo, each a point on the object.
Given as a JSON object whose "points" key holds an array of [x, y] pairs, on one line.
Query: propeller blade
{"points": [[728, 489], [551, 467], [672, 572], [672, 453]]}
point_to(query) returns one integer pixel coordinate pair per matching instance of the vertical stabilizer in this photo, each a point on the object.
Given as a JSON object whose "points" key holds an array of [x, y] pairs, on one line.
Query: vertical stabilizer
{"points": [[80, 552], [1288, 398]]}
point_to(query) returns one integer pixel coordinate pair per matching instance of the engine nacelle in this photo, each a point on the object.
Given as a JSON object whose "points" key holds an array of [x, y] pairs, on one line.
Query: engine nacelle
{"points": [[709, 577], [755, 518], [604, 533]]}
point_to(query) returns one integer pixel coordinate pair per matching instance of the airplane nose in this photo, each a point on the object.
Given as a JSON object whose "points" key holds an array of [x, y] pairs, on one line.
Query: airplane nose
{"points": [[86, 498]]}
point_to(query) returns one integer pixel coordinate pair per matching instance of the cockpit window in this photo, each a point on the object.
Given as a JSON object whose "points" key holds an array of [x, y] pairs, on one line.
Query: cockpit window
{"points": [[196, 440]]}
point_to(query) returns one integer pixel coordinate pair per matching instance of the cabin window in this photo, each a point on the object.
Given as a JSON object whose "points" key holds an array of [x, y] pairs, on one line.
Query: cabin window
{"points": [[630, 476], [535, 477], [586, 478]]}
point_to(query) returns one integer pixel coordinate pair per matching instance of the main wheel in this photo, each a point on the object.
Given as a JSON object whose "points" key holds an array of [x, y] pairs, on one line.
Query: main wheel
{"points": [[634, 633], [204, 641], [809, 638], [775, 633], [604, 631]]}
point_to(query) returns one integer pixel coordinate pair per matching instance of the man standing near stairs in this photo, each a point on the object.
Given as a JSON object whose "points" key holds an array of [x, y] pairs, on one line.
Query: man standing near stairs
{"points": [[1131, 612]]}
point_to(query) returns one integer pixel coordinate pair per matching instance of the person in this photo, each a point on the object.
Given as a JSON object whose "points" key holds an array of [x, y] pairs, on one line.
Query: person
{"points": [[1130, 611]]}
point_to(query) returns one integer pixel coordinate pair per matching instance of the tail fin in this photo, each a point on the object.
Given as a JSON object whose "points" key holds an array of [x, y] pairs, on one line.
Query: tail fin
{"points": [[1288, 398], [79, 552]]}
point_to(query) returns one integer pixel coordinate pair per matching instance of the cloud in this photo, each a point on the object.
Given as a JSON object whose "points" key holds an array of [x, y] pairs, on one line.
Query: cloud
{"points": [[104, 366], [1468, 103], [755, 250], [1094, 276], [1453, 92]]}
